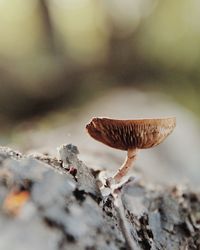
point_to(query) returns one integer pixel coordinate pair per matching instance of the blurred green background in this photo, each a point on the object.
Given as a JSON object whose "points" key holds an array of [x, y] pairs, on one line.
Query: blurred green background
{"points": [[63, 53]]}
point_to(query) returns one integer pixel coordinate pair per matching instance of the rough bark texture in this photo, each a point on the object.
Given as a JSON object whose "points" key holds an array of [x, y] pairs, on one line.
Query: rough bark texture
{"points": [[65, 208]]}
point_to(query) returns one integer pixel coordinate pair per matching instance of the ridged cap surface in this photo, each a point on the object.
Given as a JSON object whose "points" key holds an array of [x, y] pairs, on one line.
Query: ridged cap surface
{"points": [[126, 134]]}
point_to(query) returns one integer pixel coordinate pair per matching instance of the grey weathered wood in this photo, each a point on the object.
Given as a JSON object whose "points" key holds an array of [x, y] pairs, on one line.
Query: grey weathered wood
{"points": [[66, 210]]}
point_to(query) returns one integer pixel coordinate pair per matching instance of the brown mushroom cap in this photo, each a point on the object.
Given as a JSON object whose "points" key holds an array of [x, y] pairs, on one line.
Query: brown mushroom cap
{"points": [[127, 134]]}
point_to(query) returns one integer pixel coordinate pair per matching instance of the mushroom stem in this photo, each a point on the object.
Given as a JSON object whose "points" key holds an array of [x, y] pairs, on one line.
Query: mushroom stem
{"points": [[128, 163]]}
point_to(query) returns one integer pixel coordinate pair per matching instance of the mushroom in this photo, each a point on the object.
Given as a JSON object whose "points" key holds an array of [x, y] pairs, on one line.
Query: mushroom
{"points": [[130, 135]]}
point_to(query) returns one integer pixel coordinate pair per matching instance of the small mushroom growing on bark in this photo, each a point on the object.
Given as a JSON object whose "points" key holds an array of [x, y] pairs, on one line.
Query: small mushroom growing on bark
{"points": [[130, 135]]}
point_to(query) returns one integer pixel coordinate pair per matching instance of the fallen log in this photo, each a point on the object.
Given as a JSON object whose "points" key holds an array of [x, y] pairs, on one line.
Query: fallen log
{"points": [[47, 203]]}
